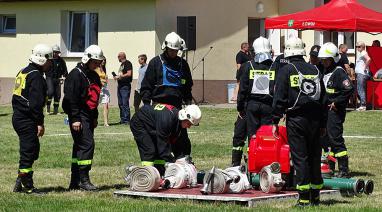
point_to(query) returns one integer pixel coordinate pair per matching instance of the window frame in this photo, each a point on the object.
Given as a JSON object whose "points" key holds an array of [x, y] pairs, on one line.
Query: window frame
{"points": [[4, 21], [69, 32]]}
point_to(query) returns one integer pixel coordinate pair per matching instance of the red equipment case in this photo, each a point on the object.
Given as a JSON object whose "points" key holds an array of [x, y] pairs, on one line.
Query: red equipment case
{"points": [[266, 149]]}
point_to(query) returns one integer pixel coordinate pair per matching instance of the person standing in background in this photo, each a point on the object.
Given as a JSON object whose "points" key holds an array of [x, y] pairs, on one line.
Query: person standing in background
{"points": [[54, 78], [141, 74], [362, 73], [105, 93], [124, 78]]}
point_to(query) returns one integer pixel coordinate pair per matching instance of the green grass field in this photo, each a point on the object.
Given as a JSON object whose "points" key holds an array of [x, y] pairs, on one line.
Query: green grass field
{"points": [[115, 148]]}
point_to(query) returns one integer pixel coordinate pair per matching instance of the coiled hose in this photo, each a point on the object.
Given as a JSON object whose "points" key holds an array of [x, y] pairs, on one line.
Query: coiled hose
{"points": [[146, 178]]}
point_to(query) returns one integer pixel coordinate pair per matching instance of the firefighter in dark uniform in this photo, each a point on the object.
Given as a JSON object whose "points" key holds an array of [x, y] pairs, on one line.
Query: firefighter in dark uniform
{"points": [[338, 92], [28, 101], [156, 128], [256, 89], [298, 94], [54, 79], [240, 126], [81, 94], [168, 80]]}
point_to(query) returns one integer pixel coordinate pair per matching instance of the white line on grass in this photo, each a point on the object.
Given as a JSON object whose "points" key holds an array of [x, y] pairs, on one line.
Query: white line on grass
{"points": [[124, 133]]}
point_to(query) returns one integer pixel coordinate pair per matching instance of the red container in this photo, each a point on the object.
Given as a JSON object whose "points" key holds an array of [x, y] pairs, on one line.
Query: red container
{"points": [[266, 149]]}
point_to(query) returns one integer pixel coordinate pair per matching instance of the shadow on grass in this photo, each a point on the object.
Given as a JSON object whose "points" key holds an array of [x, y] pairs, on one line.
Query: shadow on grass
{"points": [[60, 189], [333, 202], [359, 174], [108, 187], [5, 114]]}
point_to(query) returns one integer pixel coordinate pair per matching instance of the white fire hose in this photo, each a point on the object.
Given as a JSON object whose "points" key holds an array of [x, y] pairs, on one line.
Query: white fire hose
{"points": [[181, 174], [242, 185], [270, 178], [218, 181], [146, 178]]}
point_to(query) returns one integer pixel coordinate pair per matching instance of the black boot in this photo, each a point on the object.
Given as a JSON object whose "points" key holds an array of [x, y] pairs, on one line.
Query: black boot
{"points": [[343, 167], [48, 107], [303, 199], [18, 186], [75, 177], [55, 110], [85, 183], [315, 197], [236, 157], [27, 182]]}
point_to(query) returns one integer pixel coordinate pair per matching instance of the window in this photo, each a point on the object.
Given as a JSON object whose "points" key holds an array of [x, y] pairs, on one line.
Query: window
{"points": [[83, 31], [8, 24]]}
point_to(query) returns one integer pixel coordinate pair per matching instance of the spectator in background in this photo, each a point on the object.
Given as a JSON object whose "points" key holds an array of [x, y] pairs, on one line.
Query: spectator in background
{"points": [[242, 56], [362, 73], [105, 94], [376, 43], [344, 61], [313, 58], [142, 71], [124, 78]]}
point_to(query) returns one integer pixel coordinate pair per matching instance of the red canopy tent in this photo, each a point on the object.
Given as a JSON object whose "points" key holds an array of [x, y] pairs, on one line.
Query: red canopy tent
{"points": [[337, 15]]}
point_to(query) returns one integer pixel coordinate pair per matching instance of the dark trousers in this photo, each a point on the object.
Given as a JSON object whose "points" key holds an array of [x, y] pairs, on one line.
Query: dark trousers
{"points": [[303, 138], [137, 100], [335, 132], [54, 90], [258, 114], [26, 129], [150, 149], [123, 103], [240, 132], [83, 145]]}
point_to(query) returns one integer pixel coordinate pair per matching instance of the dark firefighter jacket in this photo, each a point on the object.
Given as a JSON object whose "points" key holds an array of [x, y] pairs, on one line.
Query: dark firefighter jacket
{"points": [[81, 93], [58, 69], [339, 87], [29, 94], [289, 100], [251, 69], [172, 89], [161, 121]]}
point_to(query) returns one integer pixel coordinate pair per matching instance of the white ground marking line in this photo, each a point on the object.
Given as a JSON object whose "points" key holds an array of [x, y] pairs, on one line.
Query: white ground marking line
{"points": [[361, 136], [96, 134]]}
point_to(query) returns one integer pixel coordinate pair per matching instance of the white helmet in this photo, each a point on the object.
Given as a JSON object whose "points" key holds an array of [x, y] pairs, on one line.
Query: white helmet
{"points": [[329, 50], [173, 41], [92, 52], [40, 54], [56, 48], [293, 47], [262, 45], [191, 113]]}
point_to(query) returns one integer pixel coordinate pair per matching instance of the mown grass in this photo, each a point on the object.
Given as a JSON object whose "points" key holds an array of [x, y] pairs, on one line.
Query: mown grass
{"points": [[115, 147]]}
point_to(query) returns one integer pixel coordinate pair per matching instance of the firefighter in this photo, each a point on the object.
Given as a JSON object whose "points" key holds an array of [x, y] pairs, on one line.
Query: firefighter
{"points": [[338, 92], [28, 101], [168, 80], [81, 94], [155, 128], [54, 78], [298, 94], [255, 93]]}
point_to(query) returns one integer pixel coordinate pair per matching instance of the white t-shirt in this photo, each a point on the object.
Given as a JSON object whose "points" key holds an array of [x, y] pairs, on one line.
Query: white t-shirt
{"points": [[360, 67]]}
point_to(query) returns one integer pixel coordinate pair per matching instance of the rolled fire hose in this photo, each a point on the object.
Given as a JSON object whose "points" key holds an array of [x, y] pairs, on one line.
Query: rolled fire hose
{"points": [[181, 174], [146, 178], [242, 185], [220, 182], [270, 178]]}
